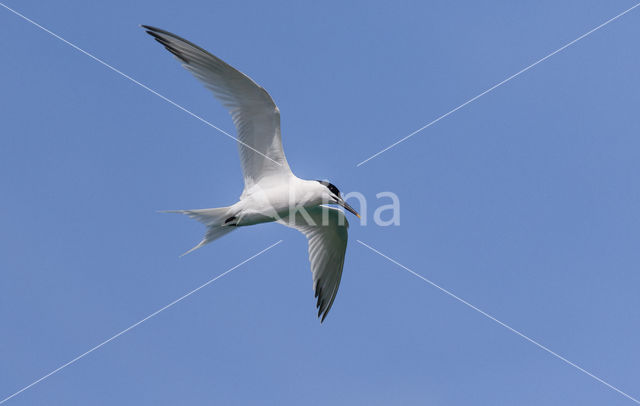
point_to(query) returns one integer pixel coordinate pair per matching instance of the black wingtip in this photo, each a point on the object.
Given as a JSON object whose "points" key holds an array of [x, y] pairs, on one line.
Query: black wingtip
{"points": [[324, 316], [320, 303], [156, 34]]}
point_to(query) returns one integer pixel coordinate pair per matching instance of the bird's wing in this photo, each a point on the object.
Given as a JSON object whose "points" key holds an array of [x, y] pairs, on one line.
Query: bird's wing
{"points": [[326, 229], [255, 115]]}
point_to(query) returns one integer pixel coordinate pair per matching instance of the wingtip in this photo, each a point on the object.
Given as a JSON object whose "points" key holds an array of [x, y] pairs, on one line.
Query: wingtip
{"points": [[324, 316]]}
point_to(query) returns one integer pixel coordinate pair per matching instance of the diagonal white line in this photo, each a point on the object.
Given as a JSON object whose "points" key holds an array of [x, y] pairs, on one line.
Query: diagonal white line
{"points": [[95, 58], [138, 323], [531, 340], [498, 85]]}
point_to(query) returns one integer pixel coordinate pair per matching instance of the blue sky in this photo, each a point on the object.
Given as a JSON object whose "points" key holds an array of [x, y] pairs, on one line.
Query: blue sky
{"points": [[525, 203]]}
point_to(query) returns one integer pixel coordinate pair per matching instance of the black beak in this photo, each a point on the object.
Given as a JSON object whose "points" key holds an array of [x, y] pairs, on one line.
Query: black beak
{"points": [[346, 206]]}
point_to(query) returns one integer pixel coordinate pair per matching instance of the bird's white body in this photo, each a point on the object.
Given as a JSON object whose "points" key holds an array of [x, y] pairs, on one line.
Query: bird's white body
{"points": [[264, 203], [272, 192]]}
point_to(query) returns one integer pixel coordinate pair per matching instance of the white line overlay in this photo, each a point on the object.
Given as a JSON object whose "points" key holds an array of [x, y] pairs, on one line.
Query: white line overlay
{"points": [[139, 322], [532, 341], [95, 58], [497, 85]]}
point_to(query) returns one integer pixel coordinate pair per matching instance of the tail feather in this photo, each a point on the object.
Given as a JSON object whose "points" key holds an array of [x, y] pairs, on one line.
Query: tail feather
{"points": [[214, 219], [200, 244]]}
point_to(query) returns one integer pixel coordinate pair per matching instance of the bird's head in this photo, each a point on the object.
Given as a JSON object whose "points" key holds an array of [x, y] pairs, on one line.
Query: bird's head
{"points": [[331, 194]]}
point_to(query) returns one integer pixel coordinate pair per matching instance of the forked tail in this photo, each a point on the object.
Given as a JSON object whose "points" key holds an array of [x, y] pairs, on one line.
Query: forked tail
{"points": [[219, 221]]}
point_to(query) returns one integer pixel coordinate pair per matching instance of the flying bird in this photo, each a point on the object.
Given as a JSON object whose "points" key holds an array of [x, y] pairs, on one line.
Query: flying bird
{"points": [[271, 191]]}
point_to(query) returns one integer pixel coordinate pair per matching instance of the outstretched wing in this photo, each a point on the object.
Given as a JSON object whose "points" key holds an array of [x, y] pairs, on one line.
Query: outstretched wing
{"points": [[255, 115], [326, 229]]}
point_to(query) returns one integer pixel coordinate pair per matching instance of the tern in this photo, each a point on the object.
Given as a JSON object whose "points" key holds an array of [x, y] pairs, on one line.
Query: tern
{"points": [[271, 191]]}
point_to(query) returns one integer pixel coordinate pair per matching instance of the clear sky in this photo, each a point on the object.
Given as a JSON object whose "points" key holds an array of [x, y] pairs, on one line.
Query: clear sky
{"points": [[525, 203]]}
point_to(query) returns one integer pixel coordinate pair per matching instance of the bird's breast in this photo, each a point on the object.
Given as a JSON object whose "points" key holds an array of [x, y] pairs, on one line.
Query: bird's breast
{"points": [[266, 205]]}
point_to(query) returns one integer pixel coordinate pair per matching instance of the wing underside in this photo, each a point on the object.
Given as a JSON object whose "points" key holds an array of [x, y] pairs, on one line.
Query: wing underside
{"points": [[327, 236], [254, 113]]}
